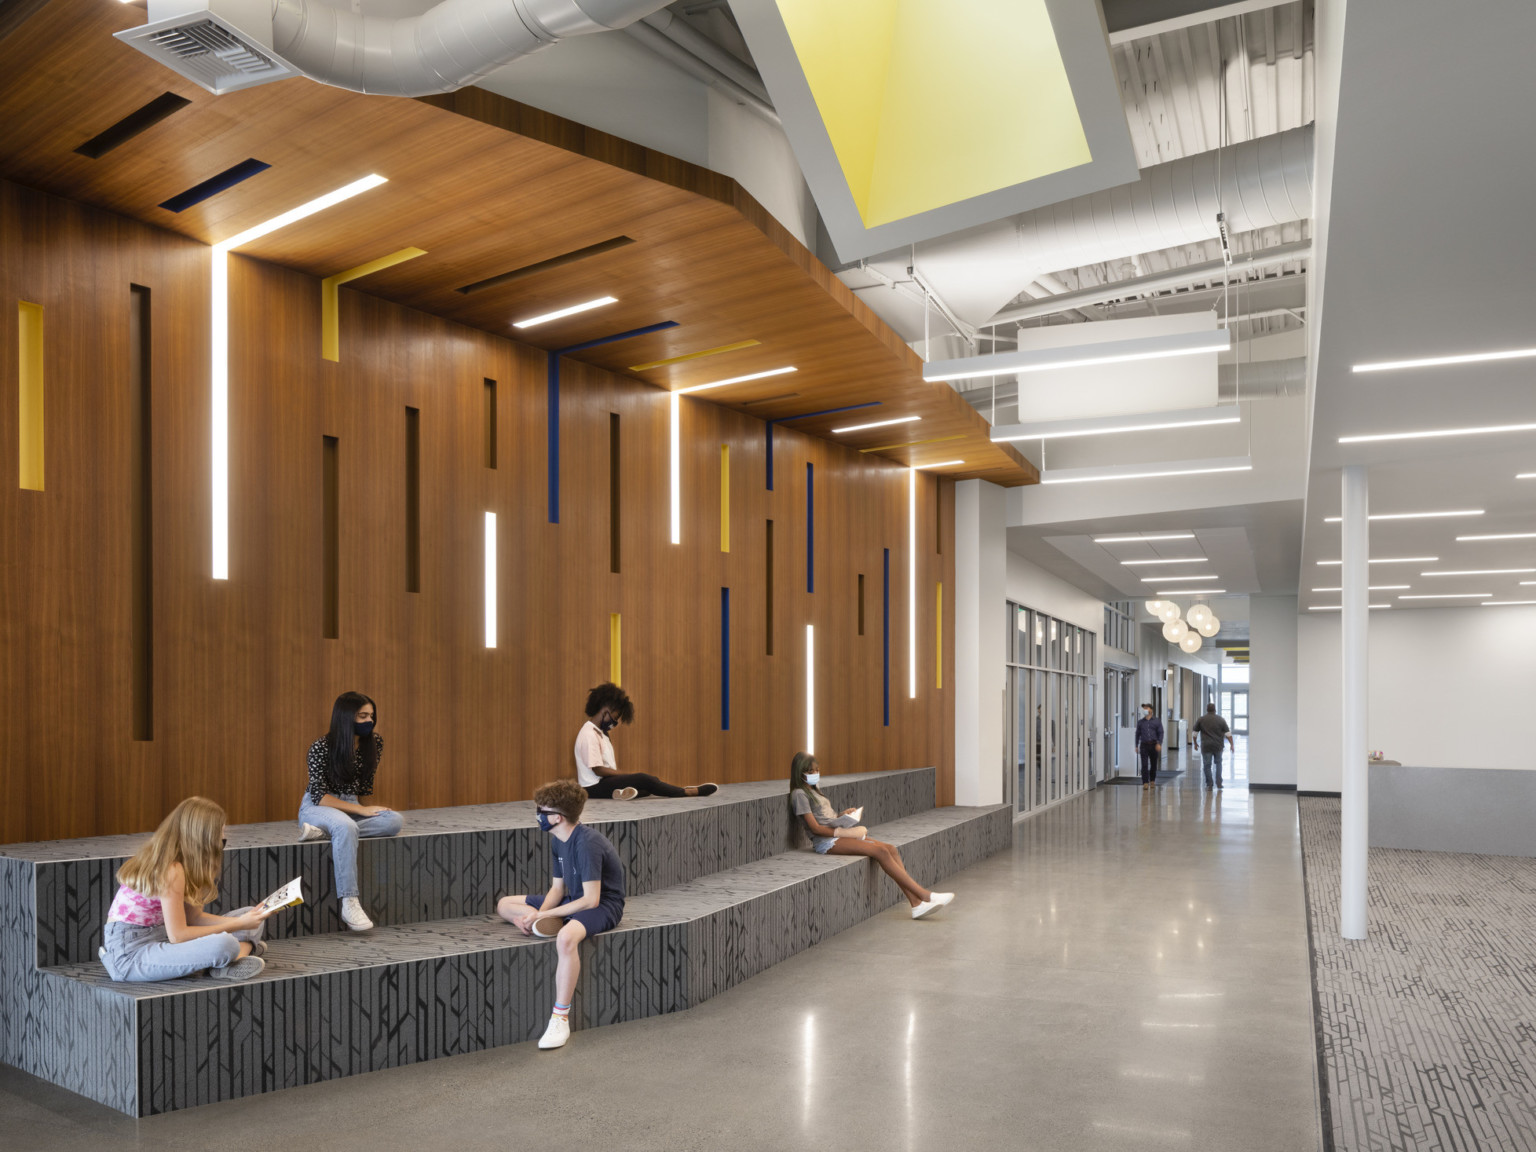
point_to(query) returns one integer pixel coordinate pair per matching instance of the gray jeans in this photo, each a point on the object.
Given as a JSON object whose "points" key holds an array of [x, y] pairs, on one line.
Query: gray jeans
{"points": [[139, 952], [345, 830]]}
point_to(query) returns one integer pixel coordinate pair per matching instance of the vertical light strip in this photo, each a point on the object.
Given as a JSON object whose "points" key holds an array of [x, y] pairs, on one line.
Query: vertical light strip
{"points": [[29, 331], [219, 354], [615, 648], [677, 470], [912, 583], [938, 639], [810, 689], [490, 579], [725, 497]]}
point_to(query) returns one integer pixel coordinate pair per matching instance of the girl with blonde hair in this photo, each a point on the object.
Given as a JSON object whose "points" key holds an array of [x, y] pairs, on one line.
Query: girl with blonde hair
{"points": [[157, 929]]}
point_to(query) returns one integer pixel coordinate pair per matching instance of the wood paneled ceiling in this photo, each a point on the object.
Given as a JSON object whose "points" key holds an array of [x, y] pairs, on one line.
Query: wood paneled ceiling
{"points": [[486, 186]]}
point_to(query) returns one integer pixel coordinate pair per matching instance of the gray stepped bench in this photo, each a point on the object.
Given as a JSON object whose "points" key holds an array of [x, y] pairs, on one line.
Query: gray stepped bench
{"points": [[448, 862], [336, 1005]]}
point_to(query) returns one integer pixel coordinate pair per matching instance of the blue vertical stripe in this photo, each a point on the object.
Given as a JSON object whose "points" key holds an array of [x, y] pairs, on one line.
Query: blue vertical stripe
{"points": [[810, 528], [554, 437], [725, 659], [885, 629]]}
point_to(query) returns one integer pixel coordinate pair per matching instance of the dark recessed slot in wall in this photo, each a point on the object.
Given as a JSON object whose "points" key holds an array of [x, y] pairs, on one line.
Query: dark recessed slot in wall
{"points": [[725, 659], [613, 491], [768, 587], [141, 514], [132, 124], [330, 498], [413, 499], [545, 265], [490, 423], [214, 185], [938, 516], [810, 528], [861, 603]]}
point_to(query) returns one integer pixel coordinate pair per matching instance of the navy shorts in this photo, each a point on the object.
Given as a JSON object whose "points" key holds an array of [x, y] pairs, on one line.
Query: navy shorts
{"points": [[594, 920]]}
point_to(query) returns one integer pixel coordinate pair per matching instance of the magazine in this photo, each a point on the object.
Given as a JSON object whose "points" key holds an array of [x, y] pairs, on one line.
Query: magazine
{"points": [[287, 896]]}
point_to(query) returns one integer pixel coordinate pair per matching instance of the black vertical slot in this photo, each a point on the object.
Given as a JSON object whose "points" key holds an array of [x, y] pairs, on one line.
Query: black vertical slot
{"points": [[490, 423], [768, 585], [331, 533], [413, 499], [861, 603], [141, 513], [938, 516]]}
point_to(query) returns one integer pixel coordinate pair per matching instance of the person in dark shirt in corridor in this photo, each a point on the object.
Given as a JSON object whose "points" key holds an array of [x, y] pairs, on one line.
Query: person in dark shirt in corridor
{"points": [[1149, 744], [1213, 729]]}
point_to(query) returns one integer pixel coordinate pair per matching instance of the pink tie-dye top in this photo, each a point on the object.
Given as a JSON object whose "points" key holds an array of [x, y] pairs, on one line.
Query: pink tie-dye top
{"points": [[135, 908]]}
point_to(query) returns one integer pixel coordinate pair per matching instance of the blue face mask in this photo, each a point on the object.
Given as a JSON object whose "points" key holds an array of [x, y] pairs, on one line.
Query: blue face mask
{"points": [[813, 778], [363, 727], [546, 822]]}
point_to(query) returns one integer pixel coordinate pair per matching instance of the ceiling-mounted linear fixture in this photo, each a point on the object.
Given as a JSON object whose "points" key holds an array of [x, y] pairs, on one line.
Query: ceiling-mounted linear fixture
{"points": [[1339, 608], [1483, 572], [940, 464], [1186, 579], [1408, 515], [1082, 356], [561, 313], [1373, 588], [736, 380], [1181, 560], [1431, 433], [1110, 425], [1140, 539], [1501, 536], [1193, 592], [1385, 560], [875, 424], [1447, 596], [1444, 361], [1146, 471]]}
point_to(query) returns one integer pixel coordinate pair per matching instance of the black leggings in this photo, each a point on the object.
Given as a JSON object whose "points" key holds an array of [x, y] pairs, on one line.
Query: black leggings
{"points": [[642, 782]]}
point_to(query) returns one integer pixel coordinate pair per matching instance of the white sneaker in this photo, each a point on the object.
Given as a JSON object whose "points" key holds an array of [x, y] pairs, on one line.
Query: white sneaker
{"points": [[353, 916], [558, 1032], [928, 907], [619, 794], [310, 832]]}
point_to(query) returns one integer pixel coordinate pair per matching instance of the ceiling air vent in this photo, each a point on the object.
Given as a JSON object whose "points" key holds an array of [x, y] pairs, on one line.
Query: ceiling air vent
{"points": [[208, 51]]}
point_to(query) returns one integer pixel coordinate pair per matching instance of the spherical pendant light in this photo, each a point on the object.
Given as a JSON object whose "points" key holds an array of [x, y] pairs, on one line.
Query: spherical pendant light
{"points": [[1191, 642], [1169, 611], [1154, 607], [1174, 631], [1209, 626], [1197, 613]]}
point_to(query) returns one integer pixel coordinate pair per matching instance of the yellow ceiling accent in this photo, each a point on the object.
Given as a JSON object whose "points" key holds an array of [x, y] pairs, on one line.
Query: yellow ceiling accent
{"points": [[694, 355], [928, 104]]}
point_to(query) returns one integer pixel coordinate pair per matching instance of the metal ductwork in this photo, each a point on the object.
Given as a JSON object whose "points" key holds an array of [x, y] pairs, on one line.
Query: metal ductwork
{"points": [[224, 45], [1262, 380], [1258, 183]]}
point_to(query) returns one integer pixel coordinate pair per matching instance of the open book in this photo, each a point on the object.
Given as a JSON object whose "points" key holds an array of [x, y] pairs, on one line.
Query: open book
{"points": [[287, 896], [857, 814]]}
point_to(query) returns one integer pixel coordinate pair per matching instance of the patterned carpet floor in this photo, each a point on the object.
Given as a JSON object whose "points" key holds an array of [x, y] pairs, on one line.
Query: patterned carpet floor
{"points": [[1427, 1028]]}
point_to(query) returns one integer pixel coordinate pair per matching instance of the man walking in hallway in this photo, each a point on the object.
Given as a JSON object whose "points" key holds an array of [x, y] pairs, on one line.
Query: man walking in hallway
{"points": [[1149, 744], [1212, 729]]}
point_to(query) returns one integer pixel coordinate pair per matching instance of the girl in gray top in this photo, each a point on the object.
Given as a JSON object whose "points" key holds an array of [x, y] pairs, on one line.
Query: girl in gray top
{"points": [[840, 835]]}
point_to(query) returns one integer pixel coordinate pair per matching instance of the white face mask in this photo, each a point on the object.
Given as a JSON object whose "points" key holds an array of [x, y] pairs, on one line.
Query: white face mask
{"points": [[813, 778]]}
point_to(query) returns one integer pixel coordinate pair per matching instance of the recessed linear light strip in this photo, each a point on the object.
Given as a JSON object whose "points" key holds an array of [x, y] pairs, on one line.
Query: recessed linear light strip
{"points": [[1409, 515], [940, 464], [1192, 592], [1086, 355], [1186, 579], [1183, 560], [1432, 433], [1062, 429], [1501, 536], [1373, 588], [1340, 607], [1385, 560], [1525, 475], [1503, 603], [219, 353], [1448, 596], [562, 313], [876, 424], [736, 380], [1141, 539], [1482, 572], [1443, 361], [1105, 474]]}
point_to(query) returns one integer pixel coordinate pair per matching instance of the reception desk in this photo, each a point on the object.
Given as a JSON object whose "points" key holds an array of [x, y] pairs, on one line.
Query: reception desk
{"points": [[1484, 810]]}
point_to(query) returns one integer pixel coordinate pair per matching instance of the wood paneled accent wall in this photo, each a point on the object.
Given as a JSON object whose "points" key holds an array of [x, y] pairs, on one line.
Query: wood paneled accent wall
{"points": [[243, 676]]}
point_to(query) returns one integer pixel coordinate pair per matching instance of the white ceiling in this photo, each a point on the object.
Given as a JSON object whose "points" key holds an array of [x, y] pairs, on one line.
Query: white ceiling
{"points": [[1429, 253]]}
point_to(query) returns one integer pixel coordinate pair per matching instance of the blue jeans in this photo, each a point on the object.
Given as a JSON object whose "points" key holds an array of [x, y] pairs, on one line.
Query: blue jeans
{"points": [[1205, 765], [136, 952], [344, 829]]}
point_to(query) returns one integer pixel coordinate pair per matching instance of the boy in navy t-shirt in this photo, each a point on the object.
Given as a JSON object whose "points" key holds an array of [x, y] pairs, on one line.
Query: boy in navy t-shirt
{"points": [[585, 897]]}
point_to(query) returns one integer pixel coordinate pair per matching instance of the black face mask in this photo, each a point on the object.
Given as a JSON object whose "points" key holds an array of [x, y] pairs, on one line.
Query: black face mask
{"points": [[608, 725], [363, 728]]}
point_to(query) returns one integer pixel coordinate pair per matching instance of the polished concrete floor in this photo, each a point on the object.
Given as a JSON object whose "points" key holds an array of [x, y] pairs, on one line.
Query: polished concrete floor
{"points": [[1133, 975]]}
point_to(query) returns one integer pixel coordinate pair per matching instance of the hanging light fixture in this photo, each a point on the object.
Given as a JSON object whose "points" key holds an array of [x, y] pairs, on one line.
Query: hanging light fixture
{"points": [[1191, 642], [1169, 611], [1208, 627], [1174, 631], [1154, 608], [1196, 614]]}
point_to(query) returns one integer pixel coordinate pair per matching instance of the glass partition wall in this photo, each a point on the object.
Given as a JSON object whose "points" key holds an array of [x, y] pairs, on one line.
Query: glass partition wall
{"points": [[1052, 690]]}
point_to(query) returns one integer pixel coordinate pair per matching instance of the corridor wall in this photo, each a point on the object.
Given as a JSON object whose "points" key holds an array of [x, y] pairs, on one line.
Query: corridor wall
{"points": [[239, 674], [1449, 688]]}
